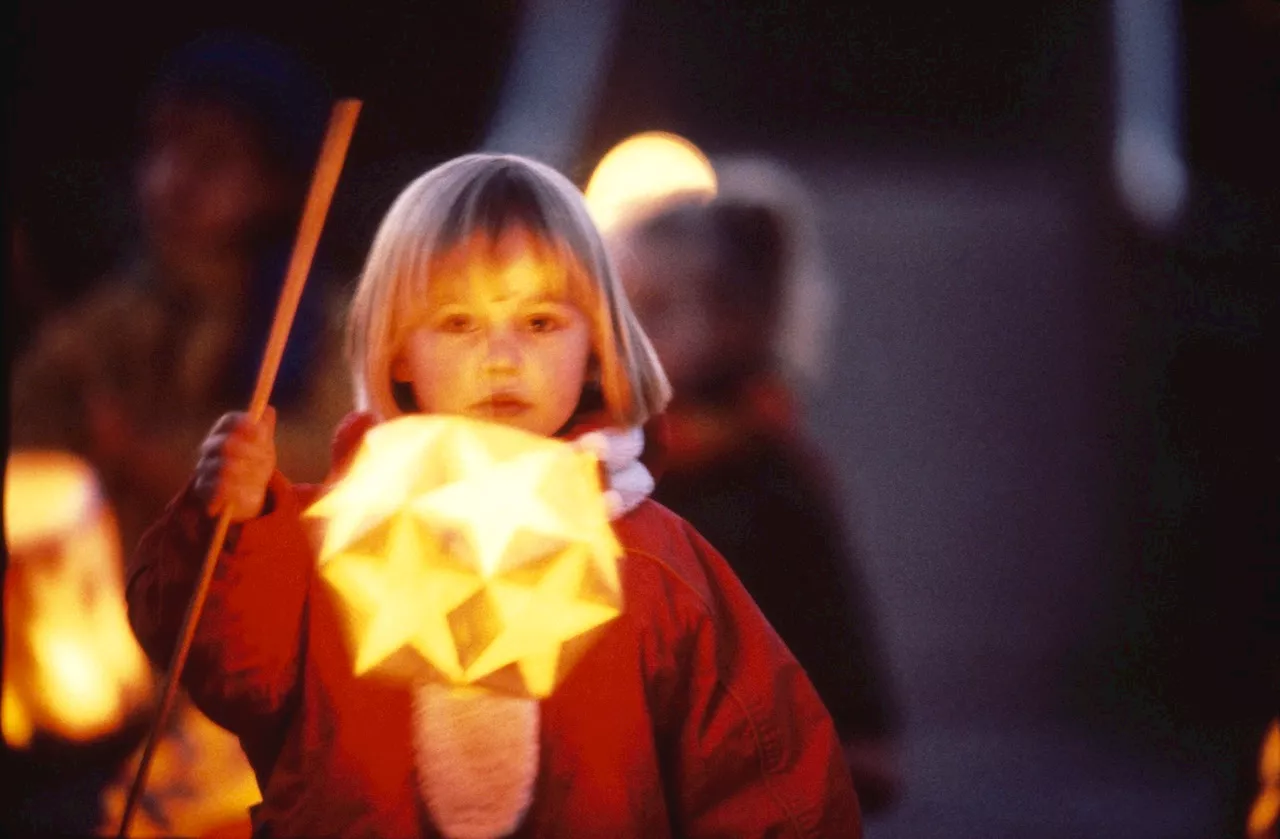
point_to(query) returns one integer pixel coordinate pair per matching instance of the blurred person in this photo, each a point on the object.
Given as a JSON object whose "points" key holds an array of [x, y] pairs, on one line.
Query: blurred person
{"points": [[731, 292], [130, 375]]}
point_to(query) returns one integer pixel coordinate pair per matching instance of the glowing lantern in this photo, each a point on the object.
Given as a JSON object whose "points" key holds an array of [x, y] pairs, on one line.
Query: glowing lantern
{"points": [[1266, 808], [485, 550], [643, 171], [72, 668], [199, 784]]}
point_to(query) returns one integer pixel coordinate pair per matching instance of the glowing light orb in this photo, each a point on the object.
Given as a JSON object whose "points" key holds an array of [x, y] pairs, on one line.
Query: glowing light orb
{"points": [[643, 171], [483, 549]]}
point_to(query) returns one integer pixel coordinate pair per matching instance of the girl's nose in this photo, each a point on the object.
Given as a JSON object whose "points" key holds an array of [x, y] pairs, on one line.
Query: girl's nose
{"points": [[502, 349]]}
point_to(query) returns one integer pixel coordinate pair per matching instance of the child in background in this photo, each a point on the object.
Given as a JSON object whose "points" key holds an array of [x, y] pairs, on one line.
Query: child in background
{"points": [[488, 294], [129, 376], [729, 291]]}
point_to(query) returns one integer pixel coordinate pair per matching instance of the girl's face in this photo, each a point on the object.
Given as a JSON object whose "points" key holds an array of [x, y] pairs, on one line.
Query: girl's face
{"points": [[499, 339]]}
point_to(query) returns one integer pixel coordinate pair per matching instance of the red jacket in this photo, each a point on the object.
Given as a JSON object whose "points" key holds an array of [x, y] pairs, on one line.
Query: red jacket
{"points": [[688, 717]]}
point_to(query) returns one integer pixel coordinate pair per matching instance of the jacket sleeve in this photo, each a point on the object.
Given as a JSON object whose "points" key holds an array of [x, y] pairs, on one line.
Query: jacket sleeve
{"points": [[244, 663], [753, 750]]}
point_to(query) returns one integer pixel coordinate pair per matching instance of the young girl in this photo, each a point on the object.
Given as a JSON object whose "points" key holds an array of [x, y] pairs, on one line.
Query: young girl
{"points": [[487, 294]]}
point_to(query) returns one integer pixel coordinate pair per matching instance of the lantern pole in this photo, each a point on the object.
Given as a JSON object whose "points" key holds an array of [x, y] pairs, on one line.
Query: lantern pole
{"points": [[324, 181]]}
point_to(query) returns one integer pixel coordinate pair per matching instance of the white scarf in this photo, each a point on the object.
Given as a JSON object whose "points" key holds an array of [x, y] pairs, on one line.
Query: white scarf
{"points": [[619, 452], [477, 752]]}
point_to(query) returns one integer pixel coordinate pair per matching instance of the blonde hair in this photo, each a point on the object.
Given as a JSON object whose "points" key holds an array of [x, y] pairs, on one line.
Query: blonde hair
{"points": [[479, 194]]}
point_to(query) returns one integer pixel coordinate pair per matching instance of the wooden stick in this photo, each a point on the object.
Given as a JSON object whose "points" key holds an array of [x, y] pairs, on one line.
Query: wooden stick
{"points": [[324, 180]]}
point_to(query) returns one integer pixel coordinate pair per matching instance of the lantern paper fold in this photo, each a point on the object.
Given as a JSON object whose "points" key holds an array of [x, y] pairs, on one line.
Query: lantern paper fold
{"points": [[483, 550]]}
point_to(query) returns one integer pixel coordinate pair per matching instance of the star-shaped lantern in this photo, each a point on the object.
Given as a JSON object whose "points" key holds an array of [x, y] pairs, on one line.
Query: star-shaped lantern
{"points": [[483, 549]]}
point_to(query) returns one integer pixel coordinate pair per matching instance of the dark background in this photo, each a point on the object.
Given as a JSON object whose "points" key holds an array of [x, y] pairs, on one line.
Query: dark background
{"points": [[1056, 426], [985, 79], [990, 80]]}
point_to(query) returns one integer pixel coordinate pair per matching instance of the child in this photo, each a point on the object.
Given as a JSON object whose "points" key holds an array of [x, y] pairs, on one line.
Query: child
{"points": [[487, 293], [721, 287]]}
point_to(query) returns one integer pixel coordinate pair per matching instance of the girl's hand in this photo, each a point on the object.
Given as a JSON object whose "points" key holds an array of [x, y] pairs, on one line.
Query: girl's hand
{"points": [[236, 462]]}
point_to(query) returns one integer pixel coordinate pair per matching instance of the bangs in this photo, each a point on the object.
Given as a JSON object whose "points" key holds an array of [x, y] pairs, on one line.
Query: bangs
{"points": [[482, 262]]}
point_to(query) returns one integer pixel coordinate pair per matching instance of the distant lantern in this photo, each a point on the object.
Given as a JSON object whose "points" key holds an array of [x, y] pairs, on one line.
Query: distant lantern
{"points": [[73, 670], [1265, 814], [485, 552], [646, 170]]}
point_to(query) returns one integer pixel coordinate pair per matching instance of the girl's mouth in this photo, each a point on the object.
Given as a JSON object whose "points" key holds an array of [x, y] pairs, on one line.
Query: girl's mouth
{"points": [[502, 406]]}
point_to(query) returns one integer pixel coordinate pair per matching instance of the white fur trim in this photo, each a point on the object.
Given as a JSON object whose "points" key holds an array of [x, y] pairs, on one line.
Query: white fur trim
{"points": [[477, 757], [619, 451], [629, 486]]}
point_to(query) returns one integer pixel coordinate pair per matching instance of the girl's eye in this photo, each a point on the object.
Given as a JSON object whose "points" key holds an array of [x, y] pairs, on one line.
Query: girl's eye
{"points": [[543, 322], [456, 322]]}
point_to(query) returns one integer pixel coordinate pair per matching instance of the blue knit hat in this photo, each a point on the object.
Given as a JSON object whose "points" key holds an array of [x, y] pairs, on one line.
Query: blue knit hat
{"points": [[270, 87]]}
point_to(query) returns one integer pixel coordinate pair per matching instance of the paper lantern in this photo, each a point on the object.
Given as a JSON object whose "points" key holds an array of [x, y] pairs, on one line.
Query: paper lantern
{"points": [[73, 670], [199, 784], [484, 550]]}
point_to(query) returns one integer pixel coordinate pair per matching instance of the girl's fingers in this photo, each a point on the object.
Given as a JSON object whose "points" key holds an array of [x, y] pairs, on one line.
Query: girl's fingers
{"points": [[227, 422], [213, 444], [247, 477], [210, 491], [259, 435], [237, 425], [244, 448], [235, 464]]}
